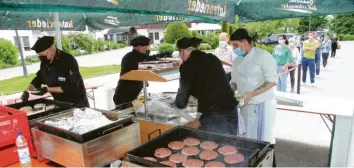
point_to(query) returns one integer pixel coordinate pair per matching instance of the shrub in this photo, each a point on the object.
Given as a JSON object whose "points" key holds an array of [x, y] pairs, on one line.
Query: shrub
{"points": [[84, 41], [213, 40], [268, 48], [176, 31], [121, 45], [75, 52], [66, 43], [205, 46], [165, 47], [8, 54]]}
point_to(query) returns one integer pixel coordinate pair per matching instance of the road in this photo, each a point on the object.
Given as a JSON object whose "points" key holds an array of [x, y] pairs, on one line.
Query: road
{"points": [[98, 59]]}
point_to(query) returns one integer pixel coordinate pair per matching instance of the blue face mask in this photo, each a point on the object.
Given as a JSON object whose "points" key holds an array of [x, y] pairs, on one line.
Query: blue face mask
{"points": [[239, 52]]}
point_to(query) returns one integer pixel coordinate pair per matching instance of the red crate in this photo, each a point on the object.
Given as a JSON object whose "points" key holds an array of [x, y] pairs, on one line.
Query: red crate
{"points": [[12, 121]]}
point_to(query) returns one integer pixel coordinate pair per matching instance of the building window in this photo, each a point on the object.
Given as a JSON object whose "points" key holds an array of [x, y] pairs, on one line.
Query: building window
{"points": [[26, 43], [157, 36], [151, 35]]}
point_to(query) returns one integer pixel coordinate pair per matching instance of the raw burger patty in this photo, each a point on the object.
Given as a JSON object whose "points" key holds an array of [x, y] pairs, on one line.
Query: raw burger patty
{"points": [[215, 164], [190, 151], [192, 163], [209, 145], [208, 155], [178, 158], [162, 153], [191, 142], [227, 150], [176, 145], [151, 159], [168, 163], [234, 158]]}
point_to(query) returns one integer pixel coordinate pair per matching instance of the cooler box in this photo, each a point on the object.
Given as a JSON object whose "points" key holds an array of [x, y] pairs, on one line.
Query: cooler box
{"points": [[12, 121]]}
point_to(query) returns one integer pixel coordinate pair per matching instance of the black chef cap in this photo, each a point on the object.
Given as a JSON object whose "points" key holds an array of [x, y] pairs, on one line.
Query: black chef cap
{"points": [[43, 43], [188, 42], [140, 41], [240, 34]]}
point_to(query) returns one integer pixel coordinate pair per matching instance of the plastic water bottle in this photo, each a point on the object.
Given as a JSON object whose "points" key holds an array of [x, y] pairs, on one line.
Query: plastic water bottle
{"points": [[22, 150]]}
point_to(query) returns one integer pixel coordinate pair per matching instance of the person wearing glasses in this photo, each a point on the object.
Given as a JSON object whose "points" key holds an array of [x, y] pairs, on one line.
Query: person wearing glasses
{"points": [[58, 74]]}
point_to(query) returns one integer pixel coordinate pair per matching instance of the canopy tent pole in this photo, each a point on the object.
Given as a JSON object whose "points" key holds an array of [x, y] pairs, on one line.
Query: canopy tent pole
{"points": [[57, 30], [20, 46]]}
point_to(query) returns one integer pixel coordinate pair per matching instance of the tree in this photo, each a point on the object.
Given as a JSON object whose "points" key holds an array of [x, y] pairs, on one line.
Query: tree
{"points": [[313, 23], [263, 28], [8, 54], [176, 31], [343, 24], [225, 27]]}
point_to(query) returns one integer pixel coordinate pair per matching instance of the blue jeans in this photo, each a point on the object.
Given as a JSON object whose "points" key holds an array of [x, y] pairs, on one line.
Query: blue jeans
{"points": [[318, 63], [221, 122], [282, 79], [308, 64]]}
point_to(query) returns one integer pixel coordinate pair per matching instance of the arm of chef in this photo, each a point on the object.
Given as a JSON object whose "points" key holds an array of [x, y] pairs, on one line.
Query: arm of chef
{"points": [[36, 82], [269, 69], [184, 90]]}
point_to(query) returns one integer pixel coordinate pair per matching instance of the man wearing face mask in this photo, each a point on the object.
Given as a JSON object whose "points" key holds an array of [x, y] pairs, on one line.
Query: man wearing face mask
{"points": [[203, 77], [127, 91], [308, 60], [224, 52], [60, 72], [255, 73]]}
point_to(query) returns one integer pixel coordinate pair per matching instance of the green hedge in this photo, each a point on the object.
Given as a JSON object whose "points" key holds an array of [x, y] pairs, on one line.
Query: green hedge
{"points": [[346, 37], [205, 46], [268, 48], [8, 54], [165, 47]]}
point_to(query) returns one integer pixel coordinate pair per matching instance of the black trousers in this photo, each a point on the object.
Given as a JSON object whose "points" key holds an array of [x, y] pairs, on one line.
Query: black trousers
{"points": [[324, 59], [292, 77], [334, 51], [273, 147]]}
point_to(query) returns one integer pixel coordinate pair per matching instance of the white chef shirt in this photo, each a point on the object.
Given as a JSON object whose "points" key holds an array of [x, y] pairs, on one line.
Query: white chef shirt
{"points": [[250, 73]]}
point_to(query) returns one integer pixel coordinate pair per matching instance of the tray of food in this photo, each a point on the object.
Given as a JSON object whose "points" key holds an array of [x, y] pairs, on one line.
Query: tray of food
{"points": [[186, 147], [36, 109], [82, 125]]}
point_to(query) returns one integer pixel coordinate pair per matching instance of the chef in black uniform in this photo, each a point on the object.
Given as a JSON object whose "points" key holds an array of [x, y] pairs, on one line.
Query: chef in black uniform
{"points": [[127, 91], [60, 73], [203, 77]]}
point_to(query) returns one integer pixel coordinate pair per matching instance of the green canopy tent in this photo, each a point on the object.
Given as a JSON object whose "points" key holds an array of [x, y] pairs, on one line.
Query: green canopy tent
{"points": [[70, 21], [212, 10], [260, 10]]}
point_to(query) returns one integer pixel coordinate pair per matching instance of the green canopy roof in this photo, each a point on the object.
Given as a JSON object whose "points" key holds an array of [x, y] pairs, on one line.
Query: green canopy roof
{"points": [[259, 10], [212, 10], [77, 21]]}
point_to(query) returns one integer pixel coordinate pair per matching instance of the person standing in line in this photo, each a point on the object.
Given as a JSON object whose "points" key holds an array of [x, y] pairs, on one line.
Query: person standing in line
{"points": [[318, 55], [297, 58], [326, 48], [298, 42], [335, 41], [308, 60], [224, 52], [255, 74], [284, 58]]}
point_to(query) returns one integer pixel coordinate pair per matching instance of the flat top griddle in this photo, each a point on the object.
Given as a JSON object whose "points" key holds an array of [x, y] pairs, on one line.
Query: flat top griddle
{"points": [[252, 150], [85, 137], [59, 107]]}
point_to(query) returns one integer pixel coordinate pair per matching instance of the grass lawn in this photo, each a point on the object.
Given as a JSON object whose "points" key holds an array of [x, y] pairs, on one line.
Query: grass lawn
{"points": [[18, 84]]}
